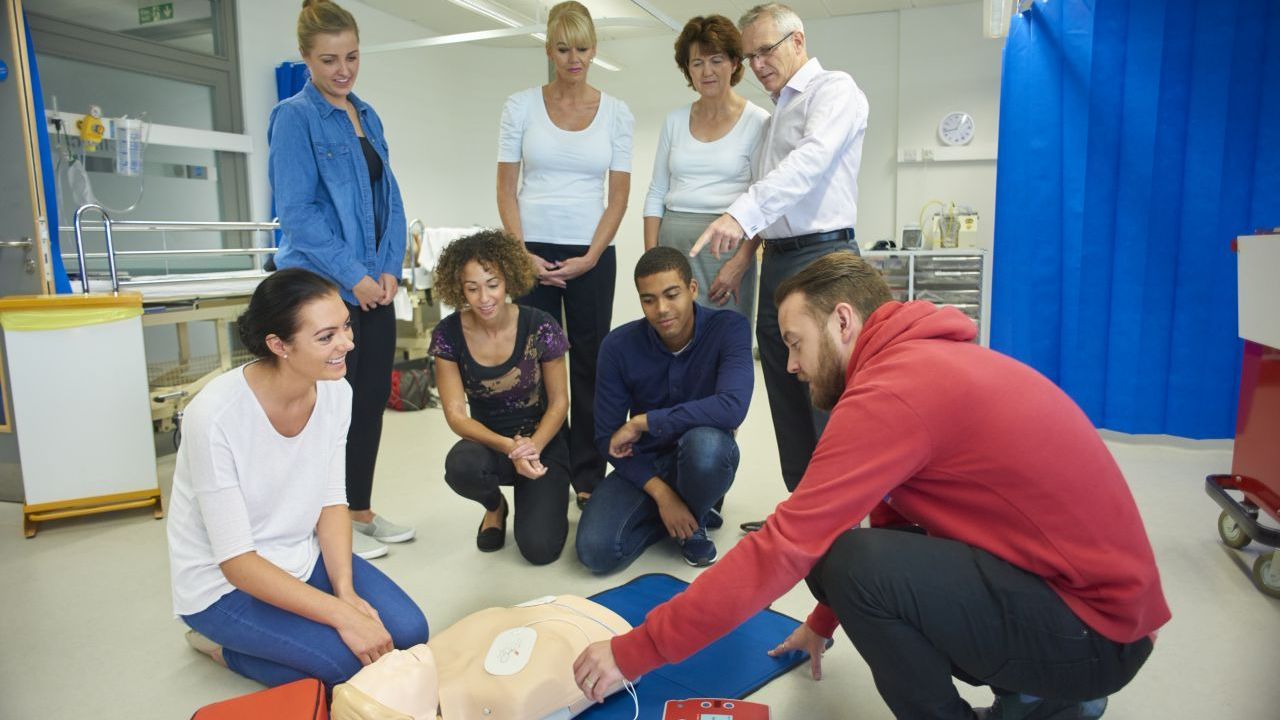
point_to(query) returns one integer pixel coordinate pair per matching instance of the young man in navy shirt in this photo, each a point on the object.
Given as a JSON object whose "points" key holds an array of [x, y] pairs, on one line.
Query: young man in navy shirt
{"points": [[670, 391]]}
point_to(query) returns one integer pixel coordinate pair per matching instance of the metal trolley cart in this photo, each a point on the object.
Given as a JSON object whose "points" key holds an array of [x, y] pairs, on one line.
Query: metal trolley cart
{"points": [[1255, 464]]}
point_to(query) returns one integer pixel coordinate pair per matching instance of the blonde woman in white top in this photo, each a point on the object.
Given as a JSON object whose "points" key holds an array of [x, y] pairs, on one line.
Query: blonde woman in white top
{"points": [[259, 533], [703, 162], [560, 145]]}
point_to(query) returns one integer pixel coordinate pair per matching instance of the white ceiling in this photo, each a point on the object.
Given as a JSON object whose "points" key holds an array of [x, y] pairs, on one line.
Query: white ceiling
{"points": [[446, 18]]}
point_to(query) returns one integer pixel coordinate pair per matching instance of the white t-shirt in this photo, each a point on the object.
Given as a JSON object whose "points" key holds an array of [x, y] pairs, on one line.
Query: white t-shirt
{"points": [[563, 174], [703, 177], [240, 486]]}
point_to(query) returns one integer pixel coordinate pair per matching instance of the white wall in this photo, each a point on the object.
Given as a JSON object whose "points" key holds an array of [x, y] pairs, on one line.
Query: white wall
{"points": [[441, 108], [946, 64]]}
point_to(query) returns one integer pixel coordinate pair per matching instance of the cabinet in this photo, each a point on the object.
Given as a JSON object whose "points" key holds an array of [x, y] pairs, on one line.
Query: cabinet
{"points": [[959, 278]]}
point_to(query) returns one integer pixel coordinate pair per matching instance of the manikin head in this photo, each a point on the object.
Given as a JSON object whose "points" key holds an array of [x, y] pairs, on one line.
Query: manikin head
{"points": [[401, 685], [821, 310]]}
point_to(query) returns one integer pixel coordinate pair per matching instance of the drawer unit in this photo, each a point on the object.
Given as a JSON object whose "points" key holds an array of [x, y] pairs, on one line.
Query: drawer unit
{"points": [[953, 278]]}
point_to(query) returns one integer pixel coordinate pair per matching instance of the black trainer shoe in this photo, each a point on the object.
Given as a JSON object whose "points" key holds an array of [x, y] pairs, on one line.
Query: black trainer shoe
{"points": [[714, 520], [1014, 706], [698, 550]]}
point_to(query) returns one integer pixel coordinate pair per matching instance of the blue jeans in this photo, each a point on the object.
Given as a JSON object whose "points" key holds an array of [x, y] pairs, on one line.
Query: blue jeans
{"points": [[621, 520], [273, 646]]}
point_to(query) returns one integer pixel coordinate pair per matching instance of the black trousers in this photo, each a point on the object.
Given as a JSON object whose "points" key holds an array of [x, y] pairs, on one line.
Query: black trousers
{"points": [[541, 506], [585, 309], [922, 610], [797, 425], [369, 373]]}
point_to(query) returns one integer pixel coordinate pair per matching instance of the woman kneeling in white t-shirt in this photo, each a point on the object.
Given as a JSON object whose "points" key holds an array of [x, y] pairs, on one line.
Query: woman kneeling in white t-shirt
{"points": [[259, 534]]}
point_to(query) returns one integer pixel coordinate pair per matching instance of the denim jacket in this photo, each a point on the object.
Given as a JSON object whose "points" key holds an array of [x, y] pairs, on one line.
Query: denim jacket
{"points": [[323, 196]]}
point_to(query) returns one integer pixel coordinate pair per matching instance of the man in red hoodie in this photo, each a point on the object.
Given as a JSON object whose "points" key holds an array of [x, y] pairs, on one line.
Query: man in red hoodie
{"points": [[1029, 570]]}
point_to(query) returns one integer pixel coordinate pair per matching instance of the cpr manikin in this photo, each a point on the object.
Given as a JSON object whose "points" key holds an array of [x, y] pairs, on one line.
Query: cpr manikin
{"points": [[498, 664]]}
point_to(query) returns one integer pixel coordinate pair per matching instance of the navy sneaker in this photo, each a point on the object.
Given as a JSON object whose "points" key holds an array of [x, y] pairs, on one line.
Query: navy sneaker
{"points": [[1014, 706], [698, 550], [714, 520]]}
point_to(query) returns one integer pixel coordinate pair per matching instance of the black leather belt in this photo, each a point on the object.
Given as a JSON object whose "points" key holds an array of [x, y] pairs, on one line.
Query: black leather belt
{"points": [[803, 241]]}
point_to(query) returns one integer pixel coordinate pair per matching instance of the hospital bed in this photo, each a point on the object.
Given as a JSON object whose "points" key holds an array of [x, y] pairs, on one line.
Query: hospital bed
{"points": [[176, 299], [179, 299]]}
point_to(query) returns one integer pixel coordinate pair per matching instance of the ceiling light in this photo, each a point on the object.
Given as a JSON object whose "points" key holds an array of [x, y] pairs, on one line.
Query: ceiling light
{"points": [[493, 13], [488, 11]]}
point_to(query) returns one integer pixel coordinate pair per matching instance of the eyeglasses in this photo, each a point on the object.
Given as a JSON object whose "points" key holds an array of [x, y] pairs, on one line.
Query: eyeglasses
{"points": [[765, 52]]}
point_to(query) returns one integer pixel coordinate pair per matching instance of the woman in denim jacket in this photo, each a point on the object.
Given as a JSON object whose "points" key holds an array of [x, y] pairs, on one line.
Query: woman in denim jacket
{"points": [[342, 217]]}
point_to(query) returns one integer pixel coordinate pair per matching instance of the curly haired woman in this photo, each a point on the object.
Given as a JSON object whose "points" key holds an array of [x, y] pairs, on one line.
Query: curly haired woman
{"points": [[507, 362]]}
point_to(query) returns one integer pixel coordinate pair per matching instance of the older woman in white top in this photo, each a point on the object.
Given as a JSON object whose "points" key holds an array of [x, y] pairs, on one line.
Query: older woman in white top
{"points": [[568, 137], [703, 161]]}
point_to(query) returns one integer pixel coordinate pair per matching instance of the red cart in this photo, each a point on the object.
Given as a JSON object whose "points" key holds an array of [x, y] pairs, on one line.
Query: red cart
{"points": [[1255, 463]]}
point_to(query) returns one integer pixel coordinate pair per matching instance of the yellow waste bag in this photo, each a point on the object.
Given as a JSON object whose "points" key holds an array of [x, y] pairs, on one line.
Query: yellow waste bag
{"points": [[64, 318]]}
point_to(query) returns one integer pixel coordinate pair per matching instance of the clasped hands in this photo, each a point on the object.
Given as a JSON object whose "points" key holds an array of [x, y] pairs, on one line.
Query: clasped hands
{"points": [[558, 274], [526, 456], [361, 628], [371, 293]]}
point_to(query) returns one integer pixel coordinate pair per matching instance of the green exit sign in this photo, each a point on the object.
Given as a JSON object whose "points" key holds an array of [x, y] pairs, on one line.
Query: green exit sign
{"points": [[155, 13]]}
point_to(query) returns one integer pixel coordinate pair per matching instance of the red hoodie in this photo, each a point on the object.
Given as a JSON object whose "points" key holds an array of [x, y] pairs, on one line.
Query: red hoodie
{"points": [[967, 443]]}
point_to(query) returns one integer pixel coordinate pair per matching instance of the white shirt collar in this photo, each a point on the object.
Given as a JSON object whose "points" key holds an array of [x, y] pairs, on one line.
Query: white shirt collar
{"points": [[802, 78]]}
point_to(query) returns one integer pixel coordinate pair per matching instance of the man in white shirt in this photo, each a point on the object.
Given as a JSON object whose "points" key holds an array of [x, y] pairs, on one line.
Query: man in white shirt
{"points": [[803, 203]]}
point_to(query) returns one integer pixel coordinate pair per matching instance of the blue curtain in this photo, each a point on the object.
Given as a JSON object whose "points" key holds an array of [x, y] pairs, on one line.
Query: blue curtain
{"points": [[291, 76], [58, 270], [1137, 139]]}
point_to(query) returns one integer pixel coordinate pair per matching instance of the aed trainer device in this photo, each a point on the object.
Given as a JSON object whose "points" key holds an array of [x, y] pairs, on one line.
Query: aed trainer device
{"points": [[714, 709]]}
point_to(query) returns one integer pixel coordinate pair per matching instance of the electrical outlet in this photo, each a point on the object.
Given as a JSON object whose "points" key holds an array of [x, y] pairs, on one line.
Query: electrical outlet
{"points": [[926, 154], [908, 155]]}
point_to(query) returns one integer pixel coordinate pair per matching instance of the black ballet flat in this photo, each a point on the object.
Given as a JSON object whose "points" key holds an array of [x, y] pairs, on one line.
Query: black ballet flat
{"points": [[492, 539]]}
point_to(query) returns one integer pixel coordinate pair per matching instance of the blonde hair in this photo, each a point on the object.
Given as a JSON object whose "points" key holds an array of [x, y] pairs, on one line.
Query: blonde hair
{"points": [[322, 17], [570, 23]]}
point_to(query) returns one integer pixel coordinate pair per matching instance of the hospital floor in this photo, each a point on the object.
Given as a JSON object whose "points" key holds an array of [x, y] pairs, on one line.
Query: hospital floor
{"points": [[86, 627]]}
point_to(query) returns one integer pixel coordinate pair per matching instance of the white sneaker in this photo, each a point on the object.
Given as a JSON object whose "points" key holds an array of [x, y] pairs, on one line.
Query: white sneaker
{"points": [[366, 547], [383, 530]]}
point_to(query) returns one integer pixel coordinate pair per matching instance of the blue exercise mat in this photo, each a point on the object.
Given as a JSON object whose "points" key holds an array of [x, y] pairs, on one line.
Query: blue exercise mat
{"points": [[732, 667]]}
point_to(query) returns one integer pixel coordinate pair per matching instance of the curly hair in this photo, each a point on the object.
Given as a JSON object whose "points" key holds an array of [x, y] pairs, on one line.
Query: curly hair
{"points": [[497, 252]]}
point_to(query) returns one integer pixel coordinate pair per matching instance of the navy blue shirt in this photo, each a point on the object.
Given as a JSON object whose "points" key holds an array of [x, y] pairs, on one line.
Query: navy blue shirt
{"points": [[707, 385]]}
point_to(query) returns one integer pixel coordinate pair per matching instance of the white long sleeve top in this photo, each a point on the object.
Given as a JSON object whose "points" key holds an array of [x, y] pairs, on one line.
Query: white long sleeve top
{"points": [[807, 174], [690, 175]]}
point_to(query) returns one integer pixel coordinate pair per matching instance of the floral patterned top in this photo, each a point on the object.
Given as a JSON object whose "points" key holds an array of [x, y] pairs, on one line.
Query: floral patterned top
{"points": [[509, 398]]}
